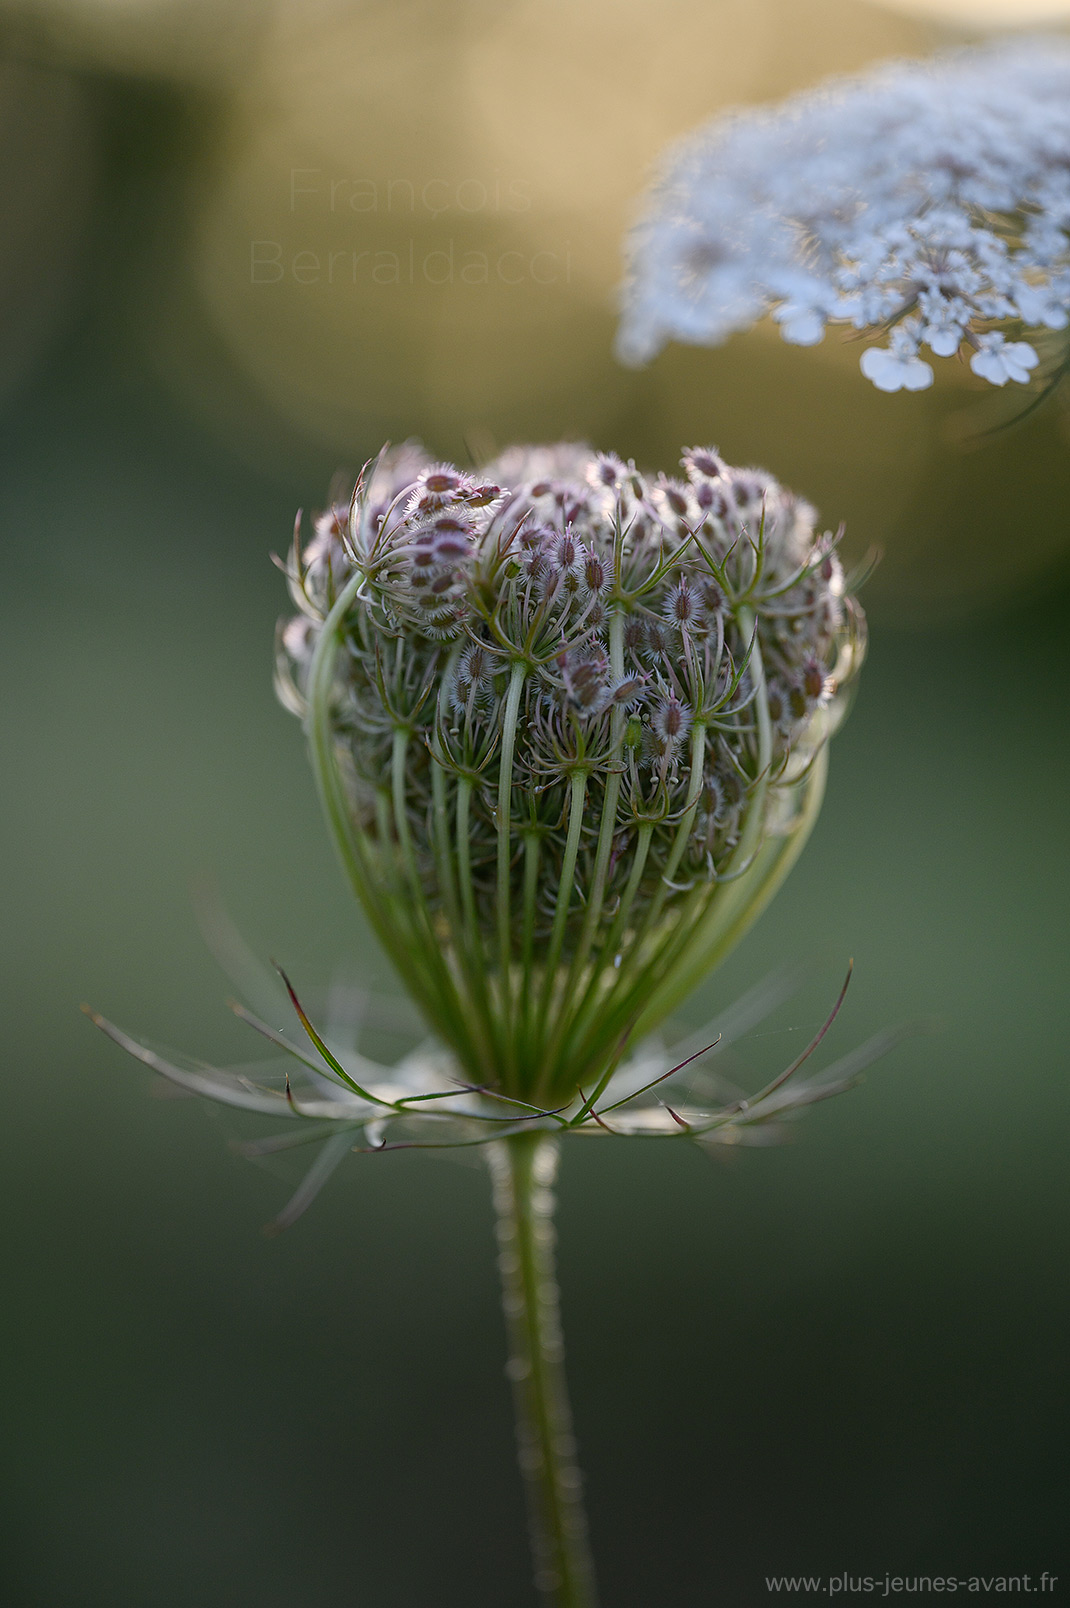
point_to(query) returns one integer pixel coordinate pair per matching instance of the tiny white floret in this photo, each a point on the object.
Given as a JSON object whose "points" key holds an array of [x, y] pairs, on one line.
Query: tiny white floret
{"points": [[1000, 360]]}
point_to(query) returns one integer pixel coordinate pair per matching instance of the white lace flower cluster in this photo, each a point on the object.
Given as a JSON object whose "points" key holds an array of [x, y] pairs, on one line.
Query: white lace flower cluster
{"points": [[928, 201]]}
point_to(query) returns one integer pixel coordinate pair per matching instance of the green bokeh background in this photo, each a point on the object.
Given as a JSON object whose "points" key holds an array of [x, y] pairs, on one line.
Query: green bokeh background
{"points": [[846, 1354]]}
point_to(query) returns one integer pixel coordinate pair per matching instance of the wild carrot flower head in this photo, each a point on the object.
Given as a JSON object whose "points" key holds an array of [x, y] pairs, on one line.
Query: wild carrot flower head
{"points": [[927, 202], [568, 722]]}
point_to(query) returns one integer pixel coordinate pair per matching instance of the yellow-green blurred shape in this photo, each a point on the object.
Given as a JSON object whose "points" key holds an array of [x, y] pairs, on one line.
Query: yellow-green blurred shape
{"points": [[415, 218], [358, 248], [46, 181], [411, 222], [586, 97], [983, 13], [171, 39]]}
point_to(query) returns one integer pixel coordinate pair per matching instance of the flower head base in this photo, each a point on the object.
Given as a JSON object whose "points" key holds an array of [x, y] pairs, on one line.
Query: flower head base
{"points": [[931, 200], [568, 723]]}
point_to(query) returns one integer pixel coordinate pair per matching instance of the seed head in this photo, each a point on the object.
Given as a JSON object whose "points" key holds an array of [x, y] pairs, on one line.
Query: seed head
{"points": [[670, 723], [569, 725], [681, 605]]}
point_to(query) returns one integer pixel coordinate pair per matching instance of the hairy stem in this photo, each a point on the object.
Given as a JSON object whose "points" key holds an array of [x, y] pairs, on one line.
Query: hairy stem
{"points": [[523, 1169]]}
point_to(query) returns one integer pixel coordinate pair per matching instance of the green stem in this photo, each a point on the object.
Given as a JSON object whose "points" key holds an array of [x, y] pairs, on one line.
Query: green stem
{"points": [[357, 863], [523, 1169], [532, 848], [718, 932], [608, 824], [679, 844], [503, 824], [576, 798], [595, 995]]}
